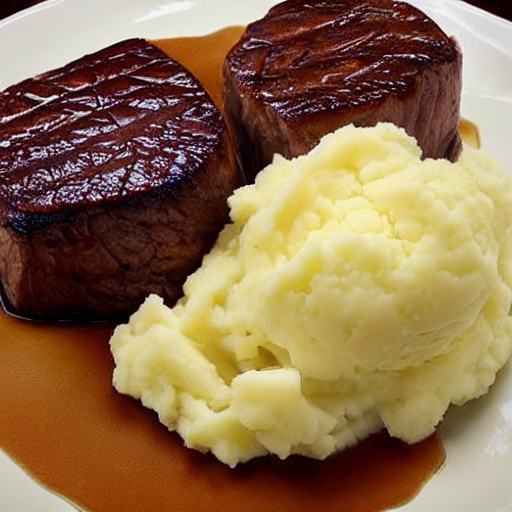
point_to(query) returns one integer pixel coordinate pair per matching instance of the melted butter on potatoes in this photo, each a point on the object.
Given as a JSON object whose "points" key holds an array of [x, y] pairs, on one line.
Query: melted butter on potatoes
{"points": [[357, 287]]}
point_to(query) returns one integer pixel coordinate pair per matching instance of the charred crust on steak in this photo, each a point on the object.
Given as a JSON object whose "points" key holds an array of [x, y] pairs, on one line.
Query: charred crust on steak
{"points": [[100, 130], [114, 175], [310, 66]]}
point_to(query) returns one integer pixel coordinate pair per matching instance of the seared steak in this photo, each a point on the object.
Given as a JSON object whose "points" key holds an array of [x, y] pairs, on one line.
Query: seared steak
{"points": [[114, 175], [311, 66]]}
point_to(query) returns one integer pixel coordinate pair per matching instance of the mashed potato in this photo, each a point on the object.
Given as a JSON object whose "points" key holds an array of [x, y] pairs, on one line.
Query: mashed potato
{"points": [[357, 287]]}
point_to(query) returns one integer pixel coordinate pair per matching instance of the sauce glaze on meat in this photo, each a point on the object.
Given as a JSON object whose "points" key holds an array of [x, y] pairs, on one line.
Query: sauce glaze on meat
{"points": [[311, 66], [114, 174]]}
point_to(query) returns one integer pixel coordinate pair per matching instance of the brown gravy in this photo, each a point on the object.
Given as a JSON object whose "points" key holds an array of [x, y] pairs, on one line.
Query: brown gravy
{"points": [[63, 422], [203, 56]]}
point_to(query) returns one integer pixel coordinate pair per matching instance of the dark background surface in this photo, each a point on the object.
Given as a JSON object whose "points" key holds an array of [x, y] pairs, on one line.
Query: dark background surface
{"points": [[502, 8]]}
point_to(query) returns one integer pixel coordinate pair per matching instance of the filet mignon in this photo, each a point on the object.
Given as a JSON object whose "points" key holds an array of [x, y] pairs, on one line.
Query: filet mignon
{"points": [[311, 66], [114, 175]]}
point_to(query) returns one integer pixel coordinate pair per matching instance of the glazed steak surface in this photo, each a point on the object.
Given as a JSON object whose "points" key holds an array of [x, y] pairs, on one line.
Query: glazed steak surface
{"points": [[311, 66], [114, 175]]}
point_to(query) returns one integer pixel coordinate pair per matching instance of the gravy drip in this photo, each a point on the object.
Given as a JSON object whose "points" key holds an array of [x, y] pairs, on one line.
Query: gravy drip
{"points": [[63, 422]]}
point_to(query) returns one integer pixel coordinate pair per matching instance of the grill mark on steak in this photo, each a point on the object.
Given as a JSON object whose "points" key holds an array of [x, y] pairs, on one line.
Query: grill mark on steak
{"points": [[103, 155], [309, 67]]}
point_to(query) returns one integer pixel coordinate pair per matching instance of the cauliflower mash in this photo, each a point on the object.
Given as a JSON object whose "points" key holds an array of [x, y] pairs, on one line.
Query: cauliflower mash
{"points": [[357, 287]]}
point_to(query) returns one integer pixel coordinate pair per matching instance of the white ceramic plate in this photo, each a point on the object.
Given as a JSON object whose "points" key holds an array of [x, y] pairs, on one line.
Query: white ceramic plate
{"points": [[477, 476]]}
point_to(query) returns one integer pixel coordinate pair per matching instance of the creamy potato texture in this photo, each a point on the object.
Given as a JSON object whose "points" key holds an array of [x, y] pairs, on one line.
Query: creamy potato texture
{"points": [[357, 287]]}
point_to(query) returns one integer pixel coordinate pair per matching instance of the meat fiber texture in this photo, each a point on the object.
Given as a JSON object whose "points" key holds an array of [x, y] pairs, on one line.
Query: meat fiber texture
{"points": [[357, 287]]}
